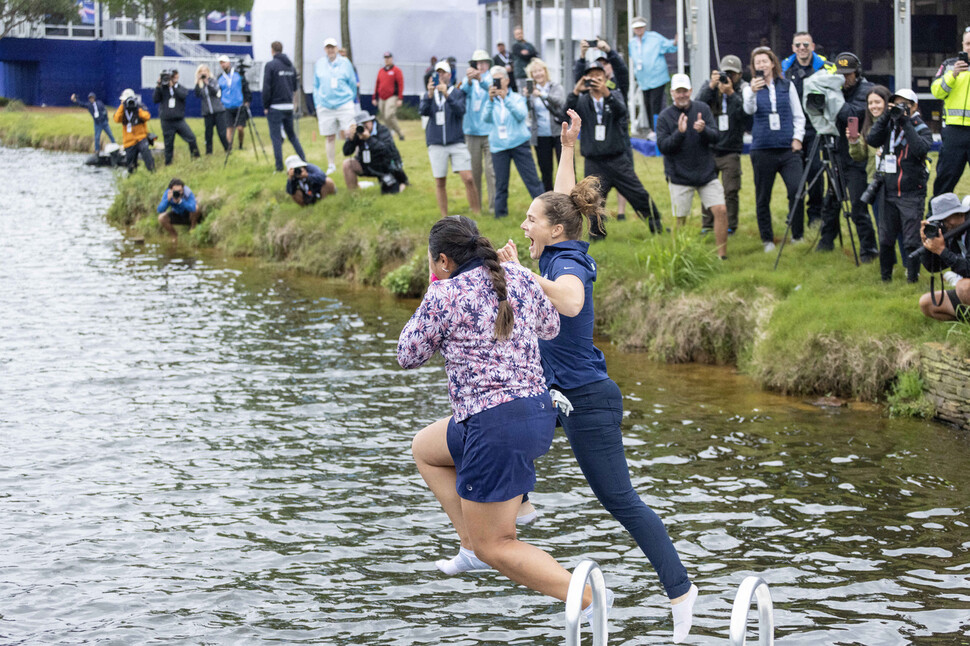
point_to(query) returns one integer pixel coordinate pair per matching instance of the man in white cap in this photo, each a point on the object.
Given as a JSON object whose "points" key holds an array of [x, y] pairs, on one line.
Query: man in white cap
{"points": [[647, 50], [950, 252], [236, 97], [306, 183], [686, 135], [475, 85], [334, 91], [905, 141], [444, 105]]}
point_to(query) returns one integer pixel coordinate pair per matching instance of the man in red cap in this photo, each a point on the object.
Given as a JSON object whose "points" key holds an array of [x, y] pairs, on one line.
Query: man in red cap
{"points": [[389, 92]]}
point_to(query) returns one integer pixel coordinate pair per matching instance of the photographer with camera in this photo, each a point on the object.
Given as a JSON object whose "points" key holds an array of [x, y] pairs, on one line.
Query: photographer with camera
{"points": [[952, 86], [605, 143], [134, 118], [905, 142], [686, 136], [778, 127], [170, 98], [617, 72], [800, 65], [445, 106], [178, 206], [855, 90], [946, 245], [213, 111], [723, 96], [509, 140], [376, 156], [236, 96], [100, 116], [475, 86], [306, 183]]}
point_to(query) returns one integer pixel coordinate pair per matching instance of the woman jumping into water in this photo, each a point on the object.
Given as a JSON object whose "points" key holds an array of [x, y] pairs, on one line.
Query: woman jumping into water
{"points": [[575, 367], [486, 320]]}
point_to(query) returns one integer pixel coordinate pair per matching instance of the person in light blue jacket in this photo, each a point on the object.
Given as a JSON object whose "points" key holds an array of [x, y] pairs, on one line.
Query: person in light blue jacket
{"points": [[178, 206], [509, 140], [475, 86], [647, 49], [334, 91]]}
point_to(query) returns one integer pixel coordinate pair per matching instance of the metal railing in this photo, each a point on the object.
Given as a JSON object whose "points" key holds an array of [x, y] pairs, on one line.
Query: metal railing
{"points": [[152, 66], [753, 587], [586, 571]]}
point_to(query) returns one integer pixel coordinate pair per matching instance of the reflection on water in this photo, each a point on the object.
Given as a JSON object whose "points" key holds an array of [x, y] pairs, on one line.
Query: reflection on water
{"points": [[200, 451]]}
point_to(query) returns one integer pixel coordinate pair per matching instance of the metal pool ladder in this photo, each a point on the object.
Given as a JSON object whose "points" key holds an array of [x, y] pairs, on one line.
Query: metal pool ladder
{"points": [[586, 571], [753, 587]]}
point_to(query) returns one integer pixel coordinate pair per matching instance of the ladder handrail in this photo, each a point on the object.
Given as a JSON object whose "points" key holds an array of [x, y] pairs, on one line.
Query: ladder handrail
{"points": [[586, 571], [753, 587]]}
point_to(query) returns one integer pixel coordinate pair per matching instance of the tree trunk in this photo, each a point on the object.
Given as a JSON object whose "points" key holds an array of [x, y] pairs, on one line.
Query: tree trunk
{"points": [[159, 28], [345, 28], [298, 57]]}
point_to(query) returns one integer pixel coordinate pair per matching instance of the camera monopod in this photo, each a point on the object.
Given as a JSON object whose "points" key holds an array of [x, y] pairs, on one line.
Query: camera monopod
{"points": [[917, 256]]}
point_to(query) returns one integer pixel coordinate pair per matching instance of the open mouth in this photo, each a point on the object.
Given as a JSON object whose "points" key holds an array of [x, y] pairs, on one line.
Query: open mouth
{"points": [[532, 244]]}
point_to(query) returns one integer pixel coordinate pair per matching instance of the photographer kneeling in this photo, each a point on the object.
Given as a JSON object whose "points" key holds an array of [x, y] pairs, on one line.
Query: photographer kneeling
{"points": [[905, 141], [177, 207], [944, 247], [306, 183], [134, 118], [376, 156]]}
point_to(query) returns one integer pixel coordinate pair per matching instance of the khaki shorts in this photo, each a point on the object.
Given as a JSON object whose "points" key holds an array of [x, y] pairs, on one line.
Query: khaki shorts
{"points": [[457, 153], [330, 121], [712, 194]]}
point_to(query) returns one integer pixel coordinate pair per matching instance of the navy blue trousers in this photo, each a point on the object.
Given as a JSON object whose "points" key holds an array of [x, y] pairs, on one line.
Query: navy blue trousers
{"points": [[502, 163], [593, 430]]}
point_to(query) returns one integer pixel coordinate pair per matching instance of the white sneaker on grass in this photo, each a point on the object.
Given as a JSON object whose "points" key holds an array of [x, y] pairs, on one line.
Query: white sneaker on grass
{"points": [[769, 247]]}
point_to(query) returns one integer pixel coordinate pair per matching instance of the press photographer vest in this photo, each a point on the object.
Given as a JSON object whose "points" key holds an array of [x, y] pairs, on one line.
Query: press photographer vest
{"points": [[762, 136]]}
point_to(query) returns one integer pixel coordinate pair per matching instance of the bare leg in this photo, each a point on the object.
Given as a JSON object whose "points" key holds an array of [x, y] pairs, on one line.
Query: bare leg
{"points": [[350, 177], [166, 223], [719, 212], [193, 219], [331, 150], [329, 188], [491, 526], [241, 131], [430, 451], [441, 193], [474, 202]]}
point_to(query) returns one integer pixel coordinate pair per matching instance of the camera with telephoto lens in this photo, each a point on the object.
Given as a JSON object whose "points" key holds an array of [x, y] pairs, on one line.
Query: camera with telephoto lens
{"points": [[722, 77], [176, 195], [131, 103], [360, 129], [869, 195], [165, 77], [933, 229], [298, 172], [897, 110]]}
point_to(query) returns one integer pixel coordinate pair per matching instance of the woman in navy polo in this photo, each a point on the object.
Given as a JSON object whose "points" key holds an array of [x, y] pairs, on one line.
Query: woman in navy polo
{"points": [[576, 368]]}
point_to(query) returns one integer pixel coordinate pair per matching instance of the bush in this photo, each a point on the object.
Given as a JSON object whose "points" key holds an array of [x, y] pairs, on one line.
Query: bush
{"points": [[15, 105], [410, 279], [678, 261], [4, 101], [906, 399], [408, 112]]}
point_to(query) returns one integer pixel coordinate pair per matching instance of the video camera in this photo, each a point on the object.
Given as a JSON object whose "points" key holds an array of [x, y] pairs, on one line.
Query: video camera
{"points": [[822, 101], [243, 63], [165, 77], [131, 103]]}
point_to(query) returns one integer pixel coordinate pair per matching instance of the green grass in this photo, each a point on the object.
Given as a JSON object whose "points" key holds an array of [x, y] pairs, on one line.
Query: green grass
{"points": [[817, 324]]}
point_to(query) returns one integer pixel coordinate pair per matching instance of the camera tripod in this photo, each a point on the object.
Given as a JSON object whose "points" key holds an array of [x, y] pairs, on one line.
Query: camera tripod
{"points": [[253, 135], [832, 169]]}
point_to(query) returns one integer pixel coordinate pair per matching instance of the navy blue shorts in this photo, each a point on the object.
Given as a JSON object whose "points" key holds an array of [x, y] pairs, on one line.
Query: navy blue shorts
{"points": [[494, 450]]}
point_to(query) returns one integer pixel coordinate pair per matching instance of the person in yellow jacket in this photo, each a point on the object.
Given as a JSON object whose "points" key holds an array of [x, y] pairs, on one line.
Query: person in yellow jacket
{"points": [[952, 85], [134, 118]]}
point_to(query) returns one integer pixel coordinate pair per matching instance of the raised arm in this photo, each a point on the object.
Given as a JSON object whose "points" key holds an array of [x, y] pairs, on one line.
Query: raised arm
{"points": [[566, 174]]}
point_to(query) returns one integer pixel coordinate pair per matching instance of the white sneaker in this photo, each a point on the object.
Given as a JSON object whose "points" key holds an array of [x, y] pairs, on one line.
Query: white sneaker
{"points": [[951, 278], [651, 136], [331, 169], [684, 615], [588, 610], [769, 247]]}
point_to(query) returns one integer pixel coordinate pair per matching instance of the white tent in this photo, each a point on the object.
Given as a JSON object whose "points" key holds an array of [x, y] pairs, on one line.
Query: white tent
{"points": [[412, 31]]}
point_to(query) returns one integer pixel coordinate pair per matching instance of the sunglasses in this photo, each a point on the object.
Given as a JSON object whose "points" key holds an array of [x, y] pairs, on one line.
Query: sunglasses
{"points": [[801, 45]]}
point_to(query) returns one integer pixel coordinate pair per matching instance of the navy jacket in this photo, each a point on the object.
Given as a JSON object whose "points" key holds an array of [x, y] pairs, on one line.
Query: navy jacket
{"points": [[280, 81], [162, 95], [732, 139], [914, 140], [451, 132], [688, 156], [311, 186], [615, 114], [102, 117], [621, 73]]}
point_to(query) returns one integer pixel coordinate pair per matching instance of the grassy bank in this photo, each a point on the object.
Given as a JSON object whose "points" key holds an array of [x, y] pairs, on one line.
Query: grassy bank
{"points": [[816, 325]]}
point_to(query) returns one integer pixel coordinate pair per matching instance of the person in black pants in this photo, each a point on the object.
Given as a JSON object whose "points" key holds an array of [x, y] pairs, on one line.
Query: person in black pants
{"points": [[170, 98], [855, 91], [280, 82], [605, 142], [213, 112], [905, 141], [776, 140]]}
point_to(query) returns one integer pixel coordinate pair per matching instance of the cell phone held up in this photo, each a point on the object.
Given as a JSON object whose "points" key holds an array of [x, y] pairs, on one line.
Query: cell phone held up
{"points": [[759, 74], [435, 79], [497, 83], [963, 56], [530, 86], [853, 127]]}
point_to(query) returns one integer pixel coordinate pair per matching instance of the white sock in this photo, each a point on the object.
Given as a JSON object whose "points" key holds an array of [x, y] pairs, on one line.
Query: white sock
{"points": [[684, 615], [527, 518], [464, 561], [588, 610]]}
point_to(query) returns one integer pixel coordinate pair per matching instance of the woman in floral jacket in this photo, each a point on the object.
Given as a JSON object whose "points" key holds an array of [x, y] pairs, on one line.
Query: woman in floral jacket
{"points": [[486, 319]]}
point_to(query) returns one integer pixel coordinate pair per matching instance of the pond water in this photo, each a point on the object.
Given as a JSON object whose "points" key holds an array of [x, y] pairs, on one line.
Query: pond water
{"points": [[196, 450]]}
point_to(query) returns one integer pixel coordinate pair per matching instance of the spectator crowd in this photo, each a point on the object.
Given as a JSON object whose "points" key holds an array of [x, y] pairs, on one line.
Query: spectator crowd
{"points": [[845, 148]]}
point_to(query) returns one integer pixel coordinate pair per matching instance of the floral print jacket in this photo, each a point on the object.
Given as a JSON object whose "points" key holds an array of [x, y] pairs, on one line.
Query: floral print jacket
{"points": [[457, 317]]}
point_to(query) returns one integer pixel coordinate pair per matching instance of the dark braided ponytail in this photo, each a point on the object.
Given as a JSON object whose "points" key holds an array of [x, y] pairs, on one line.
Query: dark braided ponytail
{"points": [[457, 238]]}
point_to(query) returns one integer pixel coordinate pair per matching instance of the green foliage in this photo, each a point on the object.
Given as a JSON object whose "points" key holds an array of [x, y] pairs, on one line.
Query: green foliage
{"points": [[15, 105], [4, 101], [958, 337], [906, 398], [410, 279], [407, 112], [14, 13], [679, 261]]}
